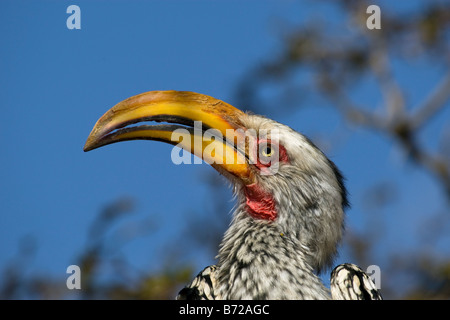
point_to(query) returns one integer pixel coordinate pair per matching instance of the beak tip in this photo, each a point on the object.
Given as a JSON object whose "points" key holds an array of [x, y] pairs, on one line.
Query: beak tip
{"points": [[86, 148], [89, 145]]}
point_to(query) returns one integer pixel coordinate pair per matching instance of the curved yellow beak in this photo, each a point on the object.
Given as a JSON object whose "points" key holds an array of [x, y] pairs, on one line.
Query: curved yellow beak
{"points": [[207, 127]]}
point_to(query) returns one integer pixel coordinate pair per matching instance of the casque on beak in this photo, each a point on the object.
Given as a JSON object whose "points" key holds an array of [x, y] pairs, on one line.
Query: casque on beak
{"points": [[182, 110]]}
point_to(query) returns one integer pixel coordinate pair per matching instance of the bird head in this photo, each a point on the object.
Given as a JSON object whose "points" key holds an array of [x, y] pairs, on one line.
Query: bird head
{"points": [[279, 176]]}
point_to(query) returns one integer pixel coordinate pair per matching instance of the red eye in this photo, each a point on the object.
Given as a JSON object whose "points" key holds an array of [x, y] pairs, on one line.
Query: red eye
{"points": [[270, 152]]}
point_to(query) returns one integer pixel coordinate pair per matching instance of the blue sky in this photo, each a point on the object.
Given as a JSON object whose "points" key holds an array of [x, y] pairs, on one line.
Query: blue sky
{"points": [[55, 83]]}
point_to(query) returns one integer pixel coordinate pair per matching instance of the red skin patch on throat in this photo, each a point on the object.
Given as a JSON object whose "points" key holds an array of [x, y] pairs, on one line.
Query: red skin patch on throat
{"points": [[260, 204]]}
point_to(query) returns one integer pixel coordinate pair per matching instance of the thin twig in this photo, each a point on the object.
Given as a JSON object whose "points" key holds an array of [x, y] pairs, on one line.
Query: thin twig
{"points": [[435, 102]]}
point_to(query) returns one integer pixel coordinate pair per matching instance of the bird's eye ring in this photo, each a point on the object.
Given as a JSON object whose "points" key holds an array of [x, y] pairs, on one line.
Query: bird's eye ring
{"points": [[267, 151]]}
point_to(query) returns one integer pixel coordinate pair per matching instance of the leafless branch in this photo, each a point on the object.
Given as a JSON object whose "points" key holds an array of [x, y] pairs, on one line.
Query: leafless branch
{"points": [[435, 102]]}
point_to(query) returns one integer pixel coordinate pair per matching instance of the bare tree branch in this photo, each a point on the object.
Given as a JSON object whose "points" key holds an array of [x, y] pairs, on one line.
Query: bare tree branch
{"points": [[435, 102]]}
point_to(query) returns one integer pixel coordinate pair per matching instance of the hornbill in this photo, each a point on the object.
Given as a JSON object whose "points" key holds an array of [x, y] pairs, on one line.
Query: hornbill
{"points": [[289, 215]]}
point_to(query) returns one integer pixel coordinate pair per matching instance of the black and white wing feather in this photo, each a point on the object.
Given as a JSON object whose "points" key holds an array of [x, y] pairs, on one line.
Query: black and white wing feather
{"points": [[202, 287], [349, 282]]}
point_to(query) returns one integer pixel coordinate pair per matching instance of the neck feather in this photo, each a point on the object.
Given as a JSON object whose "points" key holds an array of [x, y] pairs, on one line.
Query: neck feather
{"points": [[258, 261]]}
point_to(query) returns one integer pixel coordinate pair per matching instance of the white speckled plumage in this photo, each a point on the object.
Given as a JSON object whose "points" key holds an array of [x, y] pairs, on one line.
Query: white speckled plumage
{"points": [[280, 259]]}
